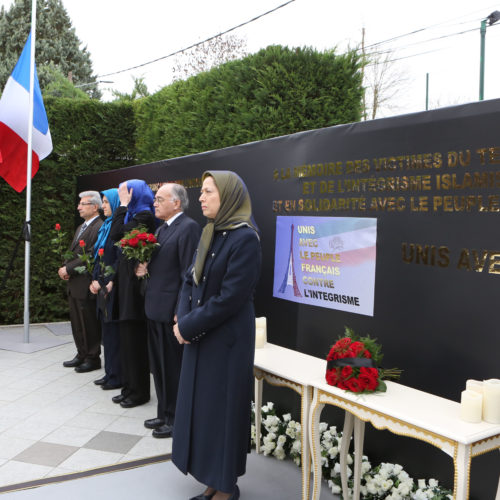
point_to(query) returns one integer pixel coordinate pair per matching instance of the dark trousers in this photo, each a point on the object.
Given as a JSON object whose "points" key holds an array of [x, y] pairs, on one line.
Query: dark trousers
{"points": [[86, 328], [165, 359], [111, 344], [134, 360]]}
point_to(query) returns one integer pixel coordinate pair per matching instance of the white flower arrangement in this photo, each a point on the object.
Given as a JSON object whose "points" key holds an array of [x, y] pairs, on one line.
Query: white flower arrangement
{"points": [[281, 437]]}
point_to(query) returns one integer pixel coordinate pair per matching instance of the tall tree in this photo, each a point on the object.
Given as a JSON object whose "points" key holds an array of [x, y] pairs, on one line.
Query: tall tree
{"points": [[384, 82], [209, 54], [57, 45], [140, 90]]}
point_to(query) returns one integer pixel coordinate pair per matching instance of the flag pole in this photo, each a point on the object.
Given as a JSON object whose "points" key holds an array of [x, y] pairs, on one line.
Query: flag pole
{"points": [[27, 225]]}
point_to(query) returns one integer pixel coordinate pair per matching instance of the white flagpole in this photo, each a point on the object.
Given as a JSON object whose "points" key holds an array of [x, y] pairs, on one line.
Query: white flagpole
{"points": [[27, 227]]}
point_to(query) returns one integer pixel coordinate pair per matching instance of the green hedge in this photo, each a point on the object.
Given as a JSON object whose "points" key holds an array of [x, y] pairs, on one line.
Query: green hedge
{"points": [[88, 137], [274, 92]]}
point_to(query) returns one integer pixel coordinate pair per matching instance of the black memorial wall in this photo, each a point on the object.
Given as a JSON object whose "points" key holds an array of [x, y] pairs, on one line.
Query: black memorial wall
{"points": [[432, 181]]}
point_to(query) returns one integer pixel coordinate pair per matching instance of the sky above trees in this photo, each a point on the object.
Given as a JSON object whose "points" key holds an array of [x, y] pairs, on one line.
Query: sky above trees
{"points": [[445, 43]]}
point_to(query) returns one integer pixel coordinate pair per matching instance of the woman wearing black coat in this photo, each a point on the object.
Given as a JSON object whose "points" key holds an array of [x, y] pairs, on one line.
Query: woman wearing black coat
{"points": [[136, 209], [106, 257], [216, 322]]}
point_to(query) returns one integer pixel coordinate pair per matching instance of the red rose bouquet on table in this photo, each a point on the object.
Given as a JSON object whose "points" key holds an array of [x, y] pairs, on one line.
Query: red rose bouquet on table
{"points": [[353, 364], [138, 244]]}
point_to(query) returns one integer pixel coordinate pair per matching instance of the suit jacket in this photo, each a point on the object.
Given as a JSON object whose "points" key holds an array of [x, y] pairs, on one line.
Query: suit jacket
{"points": [[78, 284], [167, 267]]}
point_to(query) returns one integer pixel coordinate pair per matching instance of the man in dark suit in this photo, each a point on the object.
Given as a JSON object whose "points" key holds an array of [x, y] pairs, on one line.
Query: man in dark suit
{"points": [[82, 305], [178, 237]]}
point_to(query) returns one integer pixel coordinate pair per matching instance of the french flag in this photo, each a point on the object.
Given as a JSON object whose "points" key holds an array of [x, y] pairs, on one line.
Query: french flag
{"points": [[14, 117]]}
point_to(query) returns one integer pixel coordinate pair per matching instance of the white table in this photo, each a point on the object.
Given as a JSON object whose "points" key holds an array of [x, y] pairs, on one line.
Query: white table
{"points": [[287, 368], [407, 412]]}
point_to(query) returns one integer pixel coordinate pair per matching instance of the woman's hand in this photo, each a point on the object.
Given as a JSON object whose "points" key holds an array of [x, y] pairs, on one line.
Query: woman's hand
{"points": [[178, 335], [124, 194], [141, 269], [109, 287], [94, 287]]}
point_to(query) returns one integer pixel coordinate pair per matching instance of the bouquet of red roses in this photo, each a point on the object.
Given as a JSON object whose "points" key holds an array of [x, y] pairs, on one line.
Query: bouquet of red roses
{"points": [[353, 364], [138, 244]]}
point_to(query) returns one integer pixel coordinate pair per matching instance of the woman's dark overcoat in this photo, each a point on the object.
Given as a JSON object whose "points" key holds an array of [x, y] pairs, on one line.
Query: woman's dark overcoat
{"points": [[212, 422], [130, 300], [132, 320]]}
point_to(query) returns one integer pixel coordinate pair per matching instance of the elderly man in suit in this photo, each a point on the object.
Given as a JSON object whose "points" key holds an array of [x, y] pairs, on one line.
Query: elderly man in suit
{"points": [[82, 305], [178, 237]]}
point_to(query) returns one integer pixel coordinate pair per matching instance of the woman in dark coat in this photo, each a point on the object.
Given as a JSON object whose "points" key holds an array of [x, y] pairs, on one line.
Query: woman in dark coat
{"points": [[136, 209], [102, 286], [216, 321]]}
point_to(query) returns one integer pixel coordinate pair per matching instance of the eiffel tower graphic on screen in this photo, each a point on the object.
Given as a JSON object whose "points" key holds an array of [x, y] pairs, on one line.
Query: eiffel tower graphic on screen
{"points": [[289, 278]]}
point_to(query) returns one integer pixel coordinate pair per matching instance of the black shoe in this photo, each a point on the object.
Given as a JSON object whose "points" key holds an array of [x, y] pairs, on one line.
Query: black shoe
{"points": [[204, 497], [110, 387], [88, 366], [76, 361], [165, 431], [130, 403], [236, 494], [118, 398], [153, 423], [101, 381]]}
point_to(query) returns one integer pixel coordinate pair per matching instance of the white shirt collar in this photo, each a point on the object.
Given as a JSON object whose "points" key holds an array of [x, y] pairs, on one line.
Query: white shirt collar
{"points": [[169, 221]]}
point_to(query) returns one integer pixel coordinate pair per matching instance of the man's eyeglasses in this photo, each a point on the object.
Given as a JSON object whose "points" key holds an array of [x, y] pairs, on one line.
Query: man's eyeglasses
{"points": [[86, 203], [158, 199]]}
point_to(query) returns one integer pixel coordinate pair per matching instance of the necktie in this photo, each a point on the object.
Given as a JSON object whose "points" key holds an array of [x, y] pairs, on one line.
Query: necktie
{"points": [[82, 229], [160, 232]]}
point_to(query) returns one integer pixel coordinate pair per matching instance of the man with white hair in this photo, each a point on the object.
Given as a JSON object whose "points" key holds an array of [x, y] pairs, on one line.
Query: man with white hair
{"points": [[178, 237], [82, 304]]}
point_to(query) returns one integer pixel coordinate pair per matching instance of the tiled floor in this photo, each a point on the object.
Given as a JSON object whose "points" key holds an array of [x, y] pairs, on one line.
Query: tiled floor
{"points": [[55, 421]]}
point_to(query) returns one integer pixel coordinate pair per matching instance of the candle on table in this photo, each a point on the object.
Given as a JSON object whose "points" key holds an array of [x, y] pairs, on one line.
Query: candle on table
{"points": [[474, 385], [260, 332], [491, 401], [471, 406]]}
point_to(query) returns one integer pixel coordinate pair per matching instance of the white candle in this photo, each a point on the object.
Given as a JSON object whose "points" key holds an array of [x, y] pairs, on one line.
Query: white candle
{"points": [[471, 406], [491, 401], [260, 332], [261, 322], [474, 385]]}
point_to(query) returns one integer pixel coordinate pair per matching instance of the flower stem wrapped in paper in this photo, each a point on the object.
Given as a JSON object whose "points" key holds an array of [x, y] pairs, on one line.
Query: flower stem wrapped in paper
{"points": [[138, 244], [353, 364]]}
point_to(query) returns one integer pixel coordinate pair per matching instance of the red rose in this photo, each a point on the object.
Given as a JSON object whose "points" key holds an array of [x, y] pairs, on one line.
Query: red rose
{"points": [[341, 385], [341, 348], [82, 243], [143, 243], [354, 385], [367, 354], [356, 348], [331, 377], [369, 377], [57, 227], [368, 372], [346, 372], [142, 236], [151, 238], [123, 243], [100, 252], [133, 242]]}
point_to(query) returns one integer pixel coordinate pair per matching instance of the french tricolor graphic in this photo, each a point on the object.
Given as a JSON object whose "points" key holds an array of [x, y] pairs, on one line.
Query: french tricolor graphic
{"points": [[14, 117]]}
